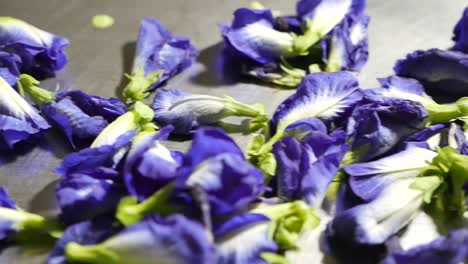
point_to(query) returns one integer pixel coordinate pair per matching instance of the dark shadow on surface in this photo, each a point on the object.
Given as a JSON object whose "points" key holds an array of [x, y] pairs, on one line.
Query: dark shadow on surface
{"points": [[128, 54], [45, 202]]}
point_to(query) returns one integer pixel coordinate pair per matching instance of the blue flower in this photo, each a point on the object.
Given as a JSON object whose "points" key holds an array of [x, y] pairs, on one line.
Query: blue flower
{"points": [[451, 249], [149, 165], [461, 33], [159, 56], [322, 16], [86, 194], [373, 223], [186, 112], [327, 96], [404, 88], [252, 34], [245, 243], [41, 53], [439, 71], [379, 123], [107, 156], [85, 233], [18, 118], [174, 239], [82, 117], [368, 179], [9, 69], [305, 169], [217, 166], [346, 47]]}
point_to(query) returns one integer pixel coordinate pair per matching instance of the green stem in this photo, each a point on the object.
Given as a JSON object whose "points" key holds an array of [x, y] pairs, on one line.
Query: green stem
{"points": [[236, 108], [441, 113]]}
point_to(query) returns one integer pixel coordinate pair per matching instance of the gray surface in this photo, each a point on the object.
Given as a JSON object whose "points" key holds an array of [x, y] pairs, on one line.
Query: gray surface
{"points": [[98, 59]]}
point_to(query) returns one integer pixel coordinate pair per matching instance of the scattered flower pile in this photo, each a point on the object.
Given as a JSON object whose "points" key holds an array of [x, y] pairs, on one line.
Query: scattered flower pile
{"points": [[337, 173]]}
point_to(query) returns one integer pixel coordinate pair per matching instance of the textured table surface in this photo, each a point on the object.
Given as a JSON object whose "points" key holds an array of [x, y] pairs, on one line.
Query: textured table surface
{"points": [[98, 59]]}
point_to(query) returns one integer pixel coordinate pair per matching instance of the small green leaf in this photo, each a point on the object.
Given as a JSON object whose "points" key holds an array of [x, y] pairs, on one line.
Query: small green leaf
{"points": [[102, 21]]}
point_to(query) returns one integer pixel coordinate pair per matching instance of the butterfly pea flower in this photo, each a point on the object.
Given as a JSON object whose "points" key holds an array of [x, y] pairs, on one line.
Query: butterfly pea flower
{"points": [[86, 233], [86, 194], [18, 224], [368, 179], [460, 33], [327, 96], [246, 241], [374, 222], [159, 56], [252, 34], [347, 48], [149, 165], [216, 165], [41, 53], [20, 120], [9, 69], [378, 124], [440, 71], [448, 249], [307, 167], [80, 116], [186, 112], [321, 17], [411, 89], [174, 239]]}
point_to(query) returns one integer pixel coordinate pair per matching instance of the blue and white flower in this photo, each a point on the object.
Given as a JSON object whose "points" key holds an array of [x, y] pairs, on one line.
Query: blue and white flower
{"points": [[368, 179], [19, 119], [186, 112], [159, 56], [41, 53], [174, 239]]}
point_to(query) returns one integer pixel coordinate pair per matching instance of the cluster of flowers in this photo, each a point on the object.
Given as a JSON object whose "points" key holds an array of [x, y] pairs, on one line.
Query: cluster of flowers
{"points": [[338, 171]]}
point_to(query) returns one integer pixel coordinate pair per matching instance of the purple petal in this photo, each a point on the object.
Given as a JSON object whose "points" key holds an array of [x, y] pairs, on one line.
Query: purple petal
{"points": [[460, 33], [440, 71]]}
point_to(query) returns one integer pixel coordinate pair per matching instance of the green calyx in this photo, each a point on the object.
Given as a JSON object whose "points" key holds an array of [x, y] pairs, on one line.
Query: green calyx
{"points": [[129, 211], [304, 42], [259, 154], [289, 221], [140, 84], [28, 84], [95, 254], [451, 168], [443, 113]]}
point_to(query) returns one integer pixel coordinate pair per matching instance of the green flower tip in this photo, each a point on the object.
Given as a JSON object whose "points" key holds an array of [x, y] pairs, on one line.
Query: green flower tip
{"points": [[102, 21], [28, 84]]}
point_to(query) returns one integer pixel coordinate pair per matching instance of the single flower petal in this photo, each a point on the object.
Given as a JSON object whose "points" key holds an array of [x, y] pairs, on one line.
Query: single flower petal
{"points": [[41, 52], [18, 119], [252, 34], [157, 49], [86, 194], [305, 127], [460, 33], [368, 179], [346, 47], [440, 71], [323, 95], [449, 249]]}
